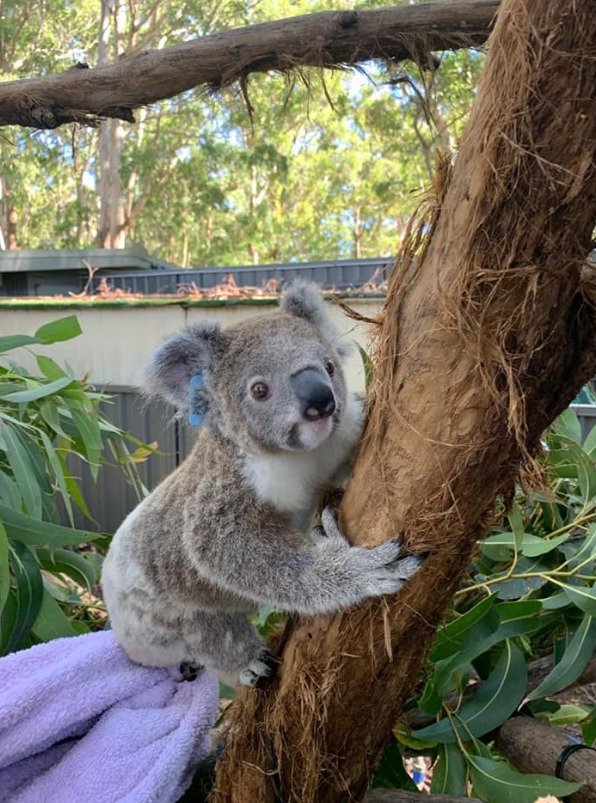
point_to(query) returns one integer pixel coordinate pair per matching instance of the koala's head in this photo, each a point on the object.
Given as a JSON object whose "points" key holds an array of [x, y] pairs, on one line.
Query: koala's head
{"points": [[272, 383]]}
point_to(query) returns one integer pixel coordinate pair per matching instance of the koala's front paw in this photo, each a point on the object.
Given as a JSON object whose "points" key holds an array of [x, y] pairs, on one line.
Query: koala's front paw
{"points": [[264, 666], [383, 570]]}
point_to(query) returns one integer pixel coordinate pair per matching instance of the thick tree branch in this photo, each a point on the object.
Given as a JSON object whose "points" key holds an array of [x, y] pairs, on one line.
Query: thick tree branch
{"points": [[327, 39], [485, 338], [536, 747]]}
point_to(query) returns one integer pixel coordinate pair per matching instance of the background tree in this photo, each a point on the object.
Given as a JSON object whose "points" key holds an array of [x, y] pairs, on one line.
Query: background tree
{"points": [[230, 191]]}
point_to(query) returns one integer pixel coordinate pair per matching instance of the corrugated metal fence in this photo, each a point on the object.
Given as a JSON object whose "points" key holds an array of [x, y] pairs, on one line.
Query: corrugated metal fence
{"points": [[338, 274], [111, 498]]}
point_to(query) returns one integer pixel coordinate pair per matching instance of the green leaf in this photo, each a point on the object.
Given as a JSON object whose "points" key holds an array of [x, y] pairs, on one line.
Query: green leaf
{"points": [[497, 698], [555, 602], [367, 364], [496, 782], [452, 637], [9, 492], [405, 737], [391, 773], [582, 596], [516, 522], [517, 587], [58, 331], [575, 658], [587, 548], [531, 545], [48, 367], [29, 593], [568, 424], [449, 773], [514, 619], [51, 620], [589, 445], [90, 434], [22, 468], [75, 492], [226, 692], [4, 568], [9, 342], [34, 531], [589, 727], [567, 714], [39, 391], [73, 564], [58, 473], [49, 413]]}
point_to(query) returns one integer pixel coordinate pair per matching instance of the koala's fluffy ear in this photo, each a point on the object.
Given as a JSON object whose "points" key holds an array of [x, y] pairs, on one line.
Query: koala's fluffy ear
{"points": [[181, 357], [304, 300]]}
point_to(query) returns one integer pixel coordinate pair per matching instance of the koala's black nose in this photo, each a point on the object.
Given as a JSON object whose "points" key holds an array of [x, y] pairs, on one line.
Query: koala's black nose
{"points": [[314, 393]]}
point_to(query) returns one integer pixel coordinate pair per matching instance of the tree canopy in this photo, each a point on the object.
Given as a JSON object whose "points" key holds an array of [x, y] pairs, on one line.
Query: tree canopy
{"points": [[315, 173]]}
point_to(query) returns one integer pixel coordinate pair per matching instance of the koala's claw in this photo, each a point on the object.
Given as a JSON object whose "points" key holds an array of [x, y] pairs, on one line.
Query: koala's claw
{"points": [[389, 572], [264, 666], [407, 567]]}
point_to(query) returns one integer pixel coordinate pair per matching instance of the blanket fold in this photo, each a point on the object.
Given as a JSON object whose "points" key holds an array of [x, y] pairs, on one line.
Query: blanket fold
{"points": [[80, 722]]}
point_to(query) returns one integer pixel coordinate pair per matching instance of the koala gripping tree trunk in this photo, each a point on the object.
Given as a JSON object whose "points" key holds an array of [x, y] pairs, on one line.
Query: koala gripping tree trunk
{"points": [[486, 336]]}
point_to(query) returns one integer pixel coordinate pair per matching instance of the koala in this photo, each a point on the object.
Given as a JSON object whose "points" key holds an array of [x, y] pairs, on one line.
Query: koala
{"points": [[231, 528]]}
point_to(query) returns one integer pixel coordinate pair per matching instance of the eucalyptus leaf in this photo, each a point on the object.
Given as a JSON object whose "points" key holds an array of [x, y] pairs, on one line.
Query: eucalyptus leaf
{"points": [[4, 567], [28, 595], [23, 470], [57, 331], [582, 596], [9, 342], [449, 773], [38, 390], [51, 621], [34, 531], [494, 702], [452, 637], [514, 619], [73, 564], [391, 773], [496, 782], [56, 465]]}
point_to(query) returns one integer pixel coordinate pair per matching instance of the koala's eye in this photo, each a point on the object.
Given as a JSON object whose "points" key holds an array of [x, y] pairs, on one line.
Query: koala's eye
{"points": [[259, 391], [330, 367]]}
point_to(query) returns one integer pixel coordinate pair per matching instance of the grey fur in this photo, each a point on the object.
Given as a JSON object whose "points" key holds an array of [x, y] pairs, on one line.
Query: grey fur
{"points": [[229, 529]]}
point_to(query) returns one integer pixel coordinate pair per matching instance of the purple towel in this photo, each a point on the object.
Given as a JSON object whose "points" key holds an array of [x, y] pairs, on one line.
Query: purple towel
{"points": [[80, 722]]}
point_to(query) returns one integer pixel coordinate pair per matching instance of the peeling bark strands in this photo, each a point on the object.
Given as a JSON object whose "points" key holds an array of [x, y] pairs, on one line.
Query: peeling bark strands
{"points": [[481, 346], [532, 746], [327, 39]]}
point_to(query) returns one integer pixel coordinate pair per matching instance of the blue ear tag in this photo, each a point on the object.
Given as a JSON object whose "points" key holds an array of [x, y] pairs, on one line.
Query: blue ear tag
{"points": [[196, 404]]}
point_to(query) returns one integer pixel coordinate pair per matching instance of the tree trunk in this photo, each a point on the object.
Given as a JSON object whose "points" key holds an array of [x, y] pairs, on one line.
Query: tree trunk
{"points": [[486, 336], [111, 229], [326, 39], [535, 747]]}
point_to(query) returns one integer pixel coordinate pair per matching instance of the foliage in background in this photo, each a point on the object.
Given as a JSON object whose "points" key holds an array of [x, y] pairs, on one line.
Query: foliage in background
{"points": [[200, 185], [529, 593], [47, 422]]}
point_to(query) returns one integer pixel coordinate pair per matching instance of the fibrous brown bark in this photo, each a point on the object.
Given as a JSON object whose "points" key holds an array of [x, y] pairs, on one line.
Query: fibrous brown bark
{"points": [[485, 338], [535, 747], [326, 39]]}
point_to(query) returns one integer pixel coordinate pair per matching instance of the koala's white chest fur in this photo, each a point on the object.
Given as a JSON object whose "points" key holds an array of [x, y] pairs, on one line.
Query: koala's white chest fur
{"points": [[290, 481]]}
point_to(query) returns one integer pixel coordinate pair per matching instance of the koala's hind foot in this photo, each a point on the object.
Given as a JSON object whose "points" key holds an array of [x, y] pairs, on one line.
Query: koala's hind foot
{"points": [[189, 671], [264, 666]]}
